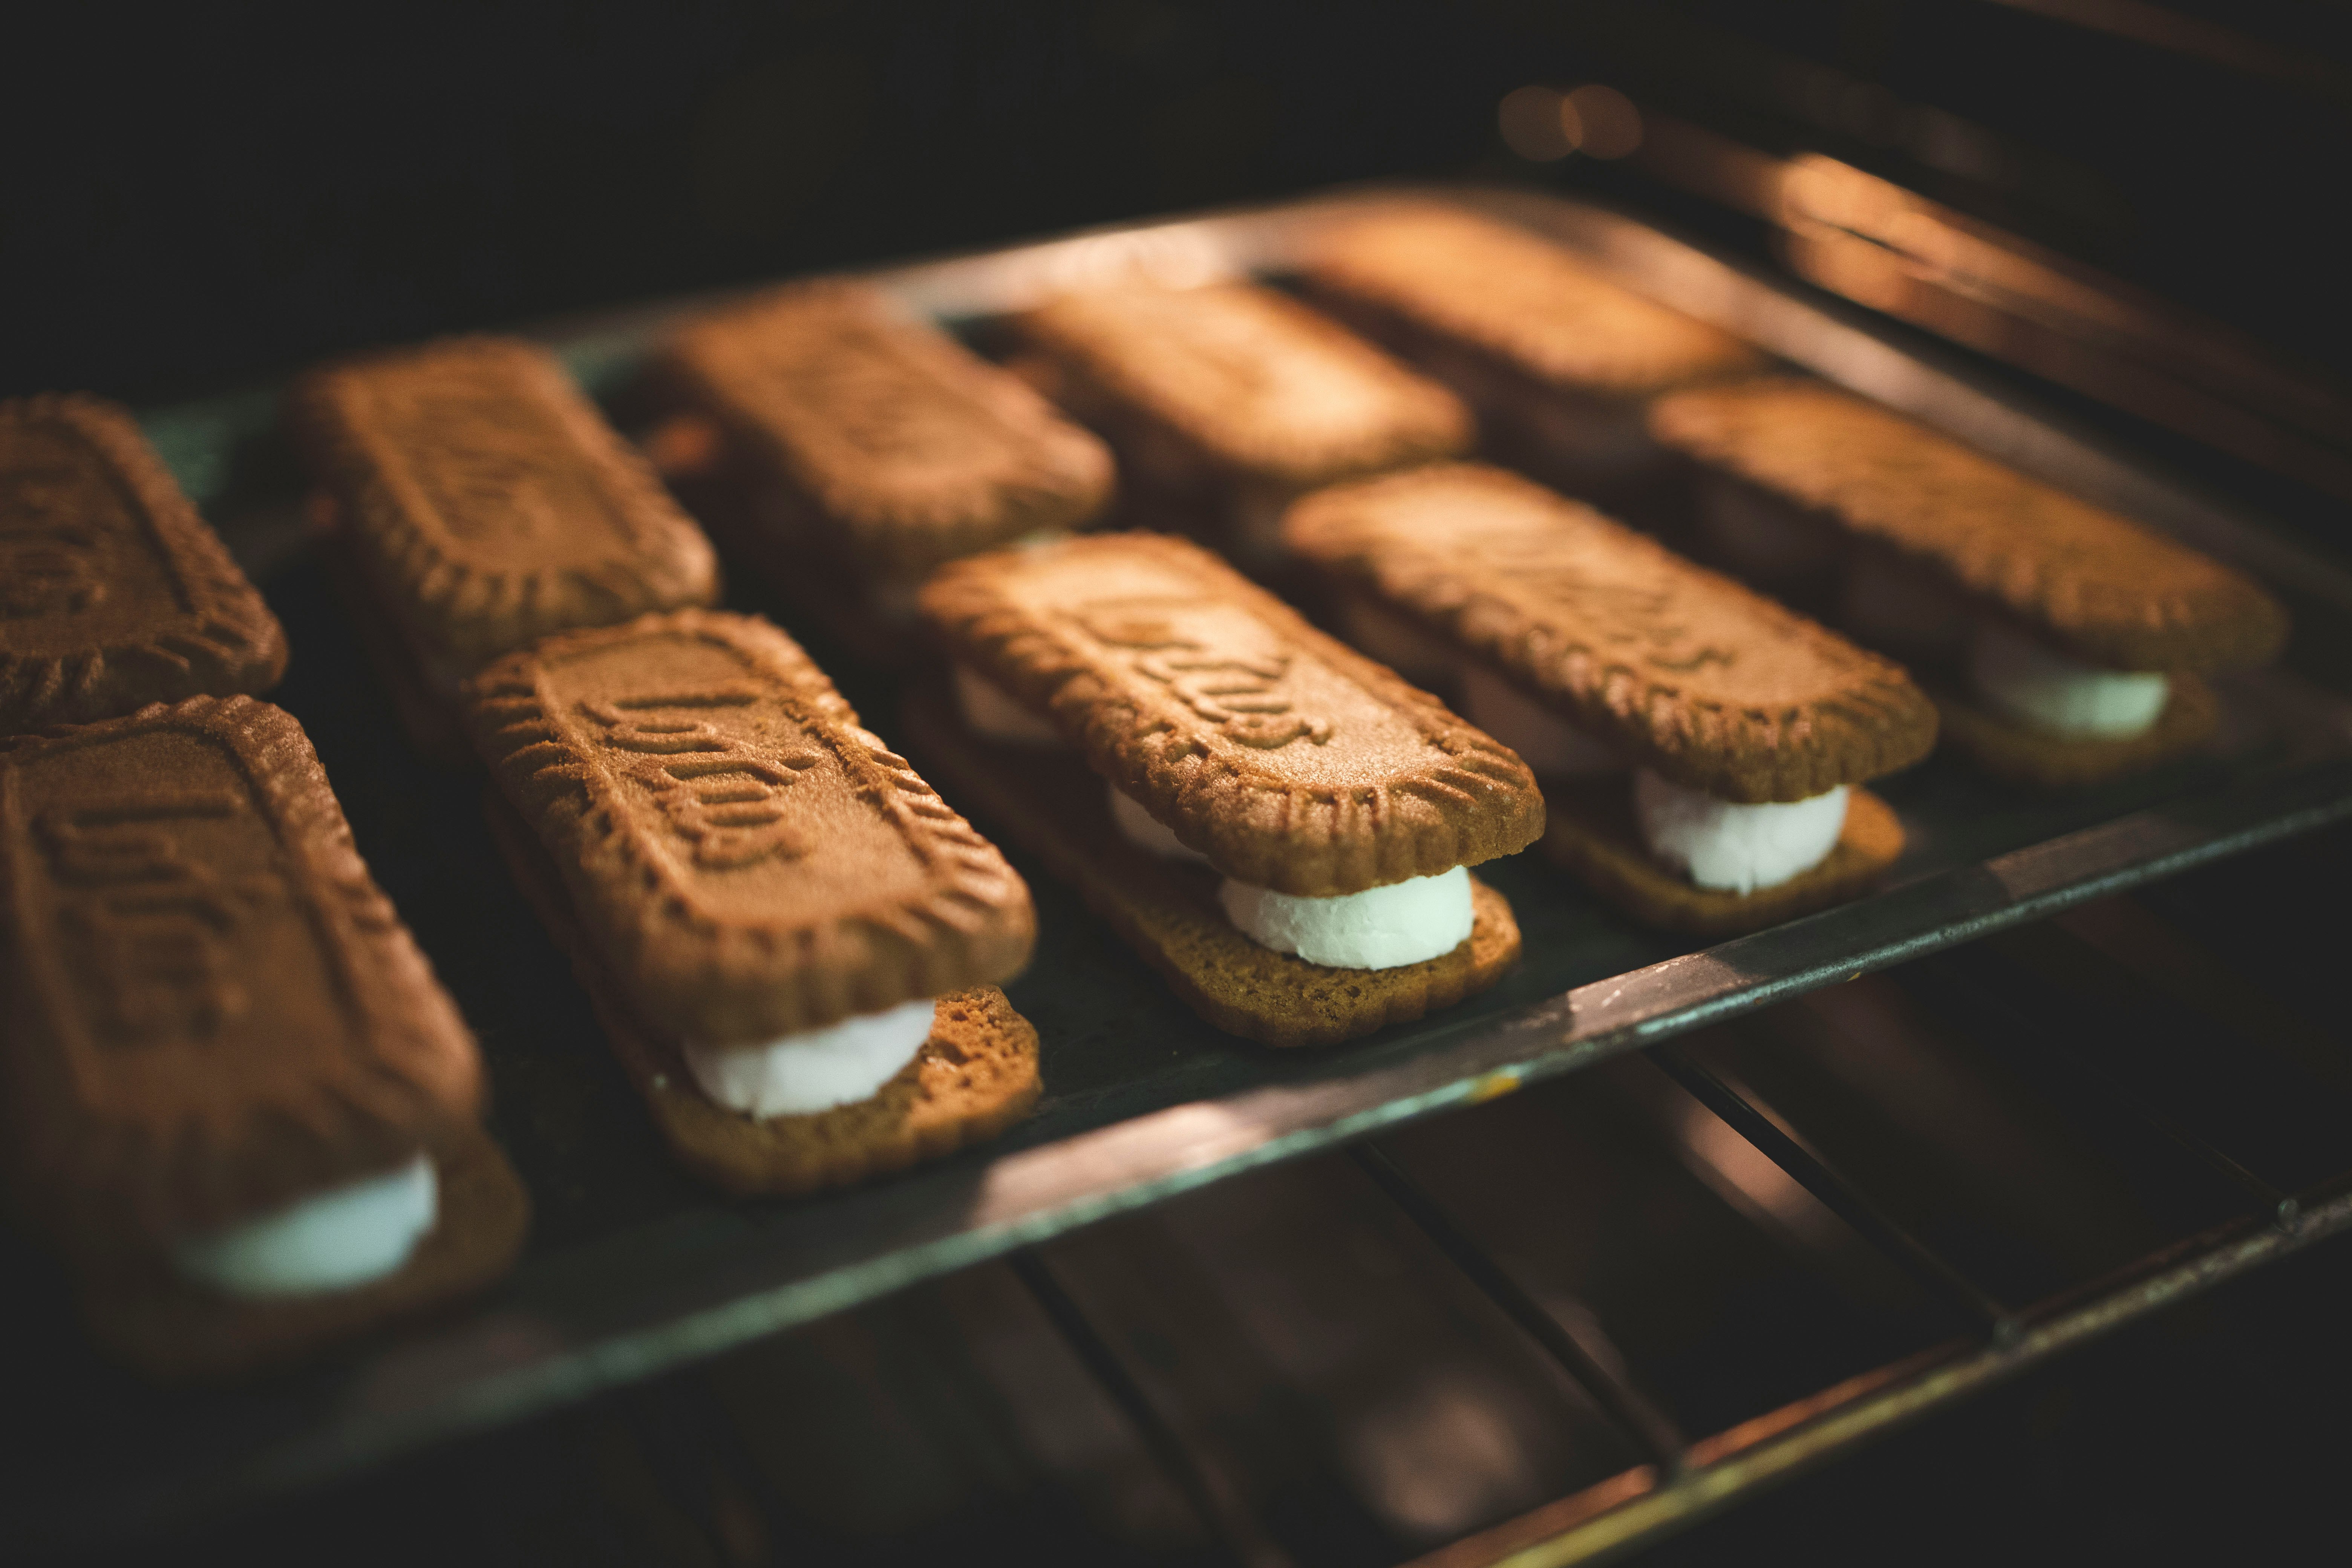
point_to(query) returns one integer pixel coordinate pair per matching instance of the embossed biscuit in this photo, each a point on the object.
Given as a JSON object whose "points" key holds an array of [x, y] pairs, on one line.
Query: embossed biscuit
{"points": [[1459, 278], [1591, 834], [2113, 593], [1691, 674], [1288, 759], [903, 448], [213, 1010], [1168, 911], [975, 1077], [1245, 382], [113, 593], [747, 859], [487, 501]]}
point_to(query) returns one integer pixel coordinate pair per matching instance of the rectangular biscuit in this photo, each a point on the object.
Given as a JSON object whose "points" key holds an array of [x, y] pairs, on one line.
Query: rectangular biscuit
{"points": [[1168, 911], [1237, 383], [2114, 593], [113, 593], [487, 503], [747, 860], [1714, 686], [1456, 278], [877, 437], [1290, 760], [214, 1012]]}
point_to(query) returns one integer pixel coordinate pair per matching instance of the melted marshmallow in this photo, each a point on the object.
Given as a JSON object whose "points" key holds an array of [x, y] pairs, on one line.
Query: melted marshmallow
{"points": [[1144, 831], [1726, 844], [2043, 689], [817, 1069], [1548, 743], [1380, 633], [333, 1240], [1380, 927], [1759, 537], [990, 712]]}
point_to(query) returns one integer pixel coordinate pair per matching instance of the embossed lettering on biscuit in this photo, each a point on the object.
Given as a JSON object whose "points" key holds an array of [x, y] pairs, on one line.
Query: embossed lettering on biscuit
{"points": [[489, 502], [113, 592]]}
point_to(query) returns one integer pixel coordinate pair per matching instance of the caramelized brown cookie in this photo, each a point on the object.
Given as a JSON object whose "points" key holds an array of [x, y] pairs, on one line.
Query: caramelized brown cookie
{"points": [[1592, 834], [1236, 383], [487, 503], [214, 1014], [1459, 279], [2111, 593], [1684, 670], [750, 861], [875, 436], [2008, 750], [113, 593], [1291, 761], [1168, 911], [975, 1077]]}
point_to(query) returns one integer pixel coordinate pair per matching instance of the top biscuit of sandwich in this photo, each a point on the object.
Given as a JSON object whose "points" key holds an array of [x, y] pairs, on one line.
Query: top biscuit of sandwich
{"points": [[1288, 759], [488, 500], [1263, 386], [210, 1010], [917, 451], [1714, 686], [1519, 297], [750, 860], [2112, 592], [113, 593]]}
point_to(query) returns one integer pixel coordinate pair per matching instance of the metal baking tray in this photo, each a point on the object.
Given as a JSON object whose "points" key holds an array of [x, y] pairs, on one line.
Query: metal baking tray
{"points": [[632, 1267]]}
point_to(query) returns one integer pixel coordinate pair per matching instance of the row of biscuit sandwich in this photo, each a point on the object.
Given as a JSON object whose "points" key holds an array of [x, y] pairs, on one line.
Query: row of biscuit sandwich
{"points": [[796, 946]]}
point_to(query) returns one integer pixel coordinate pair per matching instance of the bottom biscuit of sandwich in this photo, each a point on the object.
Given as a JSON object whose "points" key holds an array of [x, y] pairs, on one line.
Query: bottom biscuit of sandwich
{"points": [[1168, 911], [169, 1327], [973, 1077], [427, 716], [1592, 832], [2019, 754]]}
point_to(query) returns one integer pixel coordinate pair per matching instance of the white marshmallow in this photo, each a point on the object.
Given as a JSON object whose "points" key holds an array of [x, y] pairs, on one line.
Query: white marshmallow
{"points": [[1904, 609], [333, 1240], [1548, 743], [1762, 538], [1380, 632], [815, 1069], [1380, 927], [1723, 844], [2039, 686], [990, 712], [1146, 831]]}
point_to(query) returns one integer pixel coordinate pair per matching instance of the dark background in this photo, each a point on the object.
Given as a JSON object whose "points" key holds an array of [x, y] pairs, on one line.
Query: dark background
{"points": [[201, 196]]}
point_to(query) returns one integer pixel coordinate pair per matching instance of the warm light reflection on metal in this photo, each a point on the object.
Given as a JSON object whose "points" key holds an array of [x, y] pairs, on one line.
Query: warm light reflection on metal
{"points": [[1747, 1173]]}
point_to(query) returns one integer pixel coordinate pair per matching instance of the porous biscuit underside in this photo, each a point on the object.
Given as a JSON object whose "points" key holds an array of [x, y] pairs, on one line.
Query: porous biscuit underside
{"points": [[2008, 750], [168, 1327], [1592, 834], [1168, 911], [976, 1076]]}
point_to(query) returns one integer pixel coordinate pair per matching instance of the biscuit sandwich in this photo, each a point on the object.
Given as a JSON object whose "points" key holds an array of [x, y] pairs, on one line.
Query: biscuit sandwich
{"points": [[793, 943], [845, 448], [471, 500], [1280, 826], [1702, 749], [236, 1100], [1226, 402], [1558, 362], [2066, 645], [113, 593]]}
